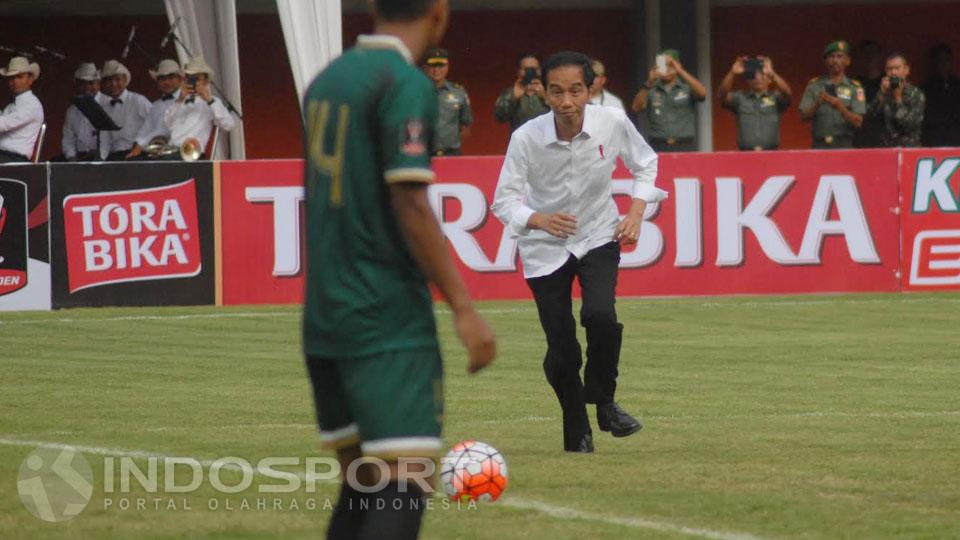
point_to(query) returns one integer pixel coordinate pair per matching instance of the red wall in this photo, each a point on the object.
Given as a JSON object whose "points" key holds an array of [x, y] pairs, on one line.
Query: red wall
{"points": [[794, 37], [484, 46]]}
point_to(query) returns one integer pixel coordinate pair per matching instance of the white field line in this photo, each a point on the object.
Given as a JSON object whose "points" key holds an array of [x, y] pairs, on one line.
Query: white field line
{"points": [[544, 419], [491, 311], [559, 512]]}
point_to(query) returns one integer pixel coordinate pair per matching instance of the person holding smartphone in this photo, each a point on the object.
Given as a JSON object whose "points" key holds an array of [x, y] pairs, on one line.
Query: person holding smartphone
{"points": [[669, 98], [759, 109], [196, 110], [526, 99]]}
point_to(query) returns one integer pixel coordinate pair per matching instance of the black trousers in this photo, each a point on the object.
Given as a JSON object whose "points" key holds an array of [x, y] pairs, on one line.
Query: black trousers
{"points": [[597, 274]]}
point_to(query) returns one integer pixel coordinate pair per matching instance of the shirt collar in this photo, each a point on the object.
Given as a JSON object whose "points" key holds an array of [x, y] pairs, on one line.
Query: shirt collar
{"points": [[22, 94], [590, 125], [383, 41]]}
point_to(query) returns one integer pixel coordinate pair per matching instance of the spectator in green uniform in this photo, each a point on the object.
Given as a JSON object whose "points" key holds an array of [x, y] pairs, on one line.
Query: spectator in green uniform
{"points": [[670, 98], [526, 99], [759, 110], [453, 104], [899, 105], [833, 102]]}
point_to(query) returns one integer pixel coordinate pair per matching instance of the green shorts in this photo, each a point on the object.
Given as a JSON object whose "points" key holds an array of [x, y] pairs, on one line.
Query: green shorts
{"points": [[391, 403]]}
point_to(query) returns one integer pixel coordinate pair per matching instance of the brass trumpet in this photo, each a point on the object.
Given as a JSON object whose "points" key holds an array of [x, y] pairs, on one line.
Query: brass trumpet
{"points": [[190, 150]]}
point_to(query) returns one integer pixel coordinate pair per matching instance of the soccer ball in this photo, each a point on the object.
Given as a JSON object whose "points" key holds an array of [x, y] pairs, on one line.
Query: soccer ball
{"points": [[473, 470]]}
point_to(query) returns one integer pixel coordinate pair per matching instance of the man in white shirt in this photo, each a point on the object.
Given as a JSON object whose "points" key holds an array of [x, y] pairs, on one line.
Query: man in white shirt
{"points": [[127, 109], [169, 78], [79, 141], [196, 111], [599, 95], [555, 194], [20, 121]]}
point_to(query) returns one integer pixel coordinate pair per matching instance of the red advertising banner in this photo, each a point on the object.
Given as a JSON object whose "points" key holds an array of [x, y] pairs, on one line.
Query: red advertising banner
{"points": [[262, 203], [930, 219], [735, 223]]}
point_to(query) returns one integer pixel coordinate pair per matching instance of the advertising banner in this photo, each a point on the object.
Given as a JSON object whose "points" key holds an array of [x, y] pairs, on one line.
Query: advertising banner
{"points": [[735, 223], [930, 219], [24, 238], [262, 217], [132, 234]]}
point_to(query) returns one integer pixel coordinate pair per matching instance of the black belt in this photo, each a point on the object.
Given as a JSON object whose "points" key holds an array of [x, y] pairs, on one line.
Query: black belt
{"points": [[13, 155], [835, 139], [758, 148], [446, 152]]}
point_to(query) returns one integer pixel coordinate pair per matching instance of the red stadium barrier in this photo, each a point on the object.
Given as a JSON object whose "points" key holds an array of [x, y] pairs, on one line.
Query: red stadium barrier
{"points": [[930, 219], [786, 222]]}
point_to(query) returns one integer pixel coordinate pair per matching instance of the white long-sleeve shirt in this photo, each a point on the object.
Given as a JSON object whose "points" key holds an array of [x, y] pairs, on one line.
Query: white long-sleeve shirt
{"points": [[196, 119], [129, 113], [79, 135], [544, 174], [153, 126], [20, 124]]}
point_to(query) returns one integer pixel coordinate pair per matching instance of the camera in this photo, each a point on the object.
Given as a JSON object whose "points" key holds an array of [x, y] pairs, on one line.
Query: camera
{"points": [[529, 75], [751, 66], [830, 89], [895, 82], [192, 80]]}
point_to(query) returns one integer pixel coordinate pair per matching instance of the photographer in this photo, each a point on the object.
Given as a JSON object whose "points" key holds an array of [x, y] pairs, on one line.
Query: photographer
{"points": [[758, 111], [835, 103], [670, 99], [527, 99], [899, 105], [196, 110]]}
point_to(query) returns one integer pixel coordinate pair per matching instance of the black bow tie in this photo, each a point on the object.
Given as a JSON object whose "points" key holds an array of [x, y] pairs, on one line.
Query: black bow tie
{"points": [[166, 97], [115, 101]]}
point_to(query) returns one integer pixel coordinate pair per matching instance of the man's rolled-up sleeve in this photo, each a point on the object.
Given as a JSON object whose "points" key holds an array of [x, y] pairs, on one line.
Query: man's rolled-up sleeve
{"points": [[641, 160], [509, 199]]}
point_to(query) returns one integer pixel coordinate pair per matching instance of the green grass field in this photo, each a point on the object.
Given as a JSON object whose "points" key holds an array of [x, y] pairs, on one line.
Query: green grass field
{"points": [[769, 417]]}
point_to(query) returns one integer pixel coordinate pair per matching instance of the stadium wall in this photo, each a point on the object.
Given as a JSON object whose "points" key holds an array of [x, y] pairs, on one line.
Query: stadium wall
{"points": [[484, 45], [230, 233]]}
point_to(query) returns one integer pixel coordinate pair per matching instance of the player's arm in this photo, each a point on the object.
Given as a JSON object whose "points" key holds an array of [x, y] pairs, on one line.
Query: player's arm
{"points": [[429, 248]]}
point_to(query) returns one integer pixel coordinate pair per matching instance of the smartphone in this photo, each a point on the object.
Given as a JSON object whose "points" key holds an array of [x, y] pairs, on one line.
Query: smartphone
{"points": [[662, 63]]}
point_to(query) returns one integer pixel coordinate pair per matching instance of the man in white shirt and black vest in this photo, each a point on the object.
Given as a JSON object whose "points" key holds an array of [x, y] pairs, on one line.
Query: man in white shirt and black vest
{"points": [[196, 111], [555, 195], [79, 142], [128, 110], [20, 121]]}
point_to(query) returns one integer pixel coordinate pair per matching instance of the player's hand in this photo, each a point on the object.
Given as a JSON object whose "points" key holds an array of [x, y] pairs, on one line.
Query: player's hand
{"points": [[628, 230], [477, 338], [559, 224]]}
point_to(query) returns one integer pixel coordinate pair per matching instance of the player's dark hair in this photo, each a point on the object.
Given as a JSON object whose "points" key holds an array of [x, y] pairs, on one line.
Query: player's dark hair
{"points": [[570, 58], [526, 55], [402, 10], [895, 55]]}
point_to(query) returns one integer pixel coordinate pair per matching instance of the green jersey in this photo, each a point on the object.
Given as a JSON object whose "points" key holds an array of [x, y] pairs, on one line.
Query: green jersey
{"points": [[369, 120]]}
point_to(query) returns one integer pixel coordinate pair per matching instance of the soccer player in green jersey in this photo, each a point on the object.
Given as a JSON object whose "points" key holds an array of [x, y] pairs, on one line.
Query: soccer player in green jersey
{"points": [[373, 243]]}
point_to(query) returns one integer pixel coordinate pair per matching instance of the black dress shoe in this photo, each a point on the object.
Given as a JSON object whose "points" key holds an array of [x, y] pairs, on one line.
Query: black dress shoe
{"points": [[612, 418], [584, 446]]}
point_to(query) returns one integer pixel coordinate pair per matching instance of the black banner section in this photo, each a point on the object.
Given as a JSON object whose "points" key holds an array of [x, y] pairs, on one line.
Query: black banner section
{"points": [[132, 234], [24, 238]]}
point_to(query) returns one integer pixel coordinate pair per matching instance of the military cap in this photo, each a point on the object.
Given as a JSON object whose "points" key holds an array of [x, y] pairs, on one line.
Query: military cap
{"points": [[437, 57], [673, 53], [837, 46]]}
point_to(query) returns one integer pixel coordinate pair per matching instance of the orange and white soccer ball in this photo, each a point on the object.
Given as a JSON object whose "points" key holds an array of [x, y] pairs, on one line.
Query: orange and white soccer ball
{"points": [[473, 470]]}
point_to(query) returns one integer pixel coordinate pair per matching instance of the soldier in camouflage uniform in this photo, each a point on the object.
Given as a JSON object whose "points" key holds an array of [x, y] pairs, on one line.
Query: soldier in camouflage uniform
{"points": [[836, 104], [899, 105], [526, 99], [454, 115]]}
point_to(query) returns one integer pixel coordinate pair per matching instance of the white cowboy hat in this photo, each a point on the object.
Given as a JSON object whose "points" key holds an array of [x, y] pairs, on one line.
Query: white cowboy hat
{"points": [[112, 67], [87, 71], [197, 65], [166, 67], [18, 65]]}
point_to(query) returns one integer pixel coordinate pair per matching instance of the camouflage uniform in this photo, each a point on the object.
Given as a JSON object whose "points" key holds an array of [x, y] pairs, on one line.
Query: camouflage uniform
{"points": [[516, 113], [901, 123]]}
